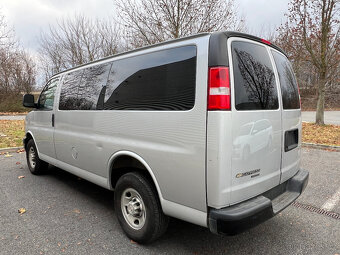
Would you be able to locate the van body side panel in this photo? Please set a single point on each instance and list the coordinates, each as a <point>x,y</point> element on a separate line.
<point>219,149</point>
<point>173,143</point>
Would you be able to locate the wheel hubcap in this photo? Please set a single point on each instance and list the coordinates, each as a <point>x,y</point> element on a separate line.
<point>31,157</point>
<point>133,208</point>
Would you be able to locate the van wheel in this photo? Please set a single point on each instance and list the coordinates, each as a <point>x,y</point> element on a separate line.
<point>35,164</point>
<point>138,208</point>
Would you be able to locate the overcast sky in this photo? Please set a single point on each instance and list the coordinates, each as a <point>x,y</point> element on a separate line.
<point>30,17</point>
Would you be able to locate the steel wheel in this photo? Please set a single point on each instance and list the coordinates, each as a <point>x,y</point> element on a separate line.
<point>32,157</point>
<point>133,208</point>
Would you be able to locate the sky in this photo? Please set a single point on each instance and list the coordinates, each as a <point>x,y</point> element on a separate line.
<point>30,17</point>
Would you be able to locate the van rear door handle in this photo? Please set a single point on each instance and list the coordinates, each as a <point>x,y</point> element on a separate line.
<point>52,119</point>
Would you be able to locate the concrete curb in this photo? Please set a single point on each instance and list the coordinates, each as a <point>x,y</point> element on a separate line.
<point>321,146</point>
<point>11,149</point>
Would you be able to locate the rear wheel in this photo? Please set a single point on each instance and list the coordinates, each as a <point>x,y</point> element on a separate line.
<point>35,164</point>
<point>138,208</point>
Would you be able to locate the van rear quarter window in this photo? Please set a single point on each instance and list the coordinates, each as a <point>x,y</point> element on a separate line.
<point>289,89</point>
<point>162,80</point>
<point>254,79</point>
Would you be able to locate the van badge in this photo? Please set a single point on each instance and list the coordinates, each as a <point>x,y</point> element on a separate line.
<point>239,175</point>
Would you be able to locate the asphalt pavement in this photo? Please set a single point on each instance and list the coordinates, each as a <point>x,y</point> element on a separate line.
<point>12,117</point>
<point>68,215</point>
<point>331,117</point>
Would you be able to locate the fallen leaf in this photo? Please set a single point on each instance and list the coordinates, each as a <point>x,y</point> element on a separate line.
<point>22,210</point>
<point>17,163</point>
<point>8,155</point>
<point>21,150</point>
<point>76,211</point>
<point>133,242</point>
<point>21,176</point>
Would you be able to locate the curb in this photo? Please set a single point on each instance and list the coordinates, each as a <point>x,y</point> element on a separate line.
<point>11,149</point>
<point>321,146</point>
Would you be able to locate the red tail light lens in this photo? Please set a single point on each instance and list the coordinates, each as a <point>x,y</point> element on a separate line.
<point>218,88</point>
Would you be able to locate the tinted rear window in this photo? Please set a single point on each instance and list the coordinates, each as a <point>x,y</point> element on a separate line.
<point>163,80</point>
<point>254,79</point>
<point>289,89</point>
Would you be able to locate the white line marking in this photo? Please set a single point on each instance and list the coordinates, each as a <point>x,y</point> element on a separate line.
<point>331,203</point>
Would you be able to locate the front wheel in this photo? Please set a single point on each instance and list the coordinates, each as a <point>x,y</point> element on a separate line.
<point>138,208</point>
<point>35,164</point>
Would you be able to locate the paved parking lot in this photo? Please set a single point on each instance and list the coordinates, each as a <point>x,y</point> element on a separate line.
<point>331,117</point>
<point>67,215</point>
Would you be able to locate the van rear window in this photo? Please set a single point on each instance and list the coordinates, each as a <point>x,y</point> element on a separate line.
<point>289,89</point>
<point>254,79</point>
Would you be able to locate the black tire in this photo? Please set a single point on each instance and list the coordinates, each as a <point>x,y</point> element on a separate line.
<point>155,223</point>
<point>39,167</point>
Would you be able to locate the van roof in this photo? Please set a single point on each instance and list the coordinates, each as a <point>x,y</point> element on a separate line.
<point>221,37</point>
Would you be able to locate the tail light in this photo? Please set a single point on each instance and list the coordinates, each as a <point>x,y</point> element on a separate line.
<point>218,88</point>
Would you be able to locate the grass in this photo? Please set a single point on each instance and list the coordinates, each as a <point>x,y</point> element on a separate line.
<point>12,132</point>
<point>12,104</point>
<point>326,134</point>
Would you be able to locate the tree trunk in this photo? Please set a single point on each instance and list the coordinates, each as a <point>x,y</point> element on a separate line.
<point>319,120</point>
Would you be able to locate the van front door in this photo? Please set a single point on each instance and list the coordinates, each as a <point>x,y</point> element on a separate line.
<point>43,126</point>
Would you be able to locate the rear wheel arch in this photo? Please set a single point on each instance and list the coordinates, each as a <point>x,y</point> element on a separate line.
<point>123,162</point>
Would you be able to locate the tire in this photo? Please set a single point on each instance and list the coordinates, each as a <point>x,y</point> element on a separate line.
<point>135,194</point>
<point>35,164</point>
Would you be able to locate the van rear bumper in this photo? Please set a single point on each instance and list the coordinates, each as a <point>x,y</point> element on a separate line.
<point>237,218</point>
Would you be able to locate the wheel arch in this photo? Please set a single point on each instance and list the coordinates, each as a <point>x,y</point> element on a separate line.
<point>122,162</point>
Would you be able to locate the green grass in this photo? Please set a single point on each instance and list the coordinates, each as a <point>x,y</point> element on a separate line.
<point>12,104</point>
<point>11,133</point>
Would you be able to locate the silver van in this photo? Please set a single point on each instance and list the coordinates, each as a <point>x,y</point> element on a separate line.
<point>206,129</point>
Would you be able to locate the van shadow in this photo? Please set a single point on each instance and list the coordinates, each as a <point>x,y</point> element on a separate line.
<point>181,236</point>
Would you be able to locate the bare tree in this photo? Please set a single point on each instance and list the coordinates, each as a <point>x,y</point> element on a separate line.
<point>312,34</point>
<point>75,41</point>
<point>17,68</point>
<point>151,21</point>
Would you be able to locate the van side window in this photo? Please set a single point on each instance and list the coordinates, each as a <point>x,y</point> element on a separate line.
<point>254,79</point>
<point>46,99</point>
<point>289,89</point>
<point>81,89</point>
<point>162,80</point>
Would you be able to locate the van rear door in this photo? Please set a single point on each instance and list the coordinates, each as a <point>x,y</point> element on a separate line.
<point>256,120</point>
<point>291,116</point>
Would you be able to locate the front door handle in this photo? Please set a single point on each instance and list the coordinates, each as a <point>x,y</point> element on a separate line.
<point>52,119</point>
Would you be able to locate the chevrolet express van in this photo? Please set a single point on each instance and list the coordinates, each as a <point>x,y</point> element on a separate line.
<point>206,129</point>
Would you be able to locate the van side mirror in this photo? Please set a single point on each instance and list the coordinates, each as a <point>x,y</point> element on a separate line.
<point>28,101</point>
